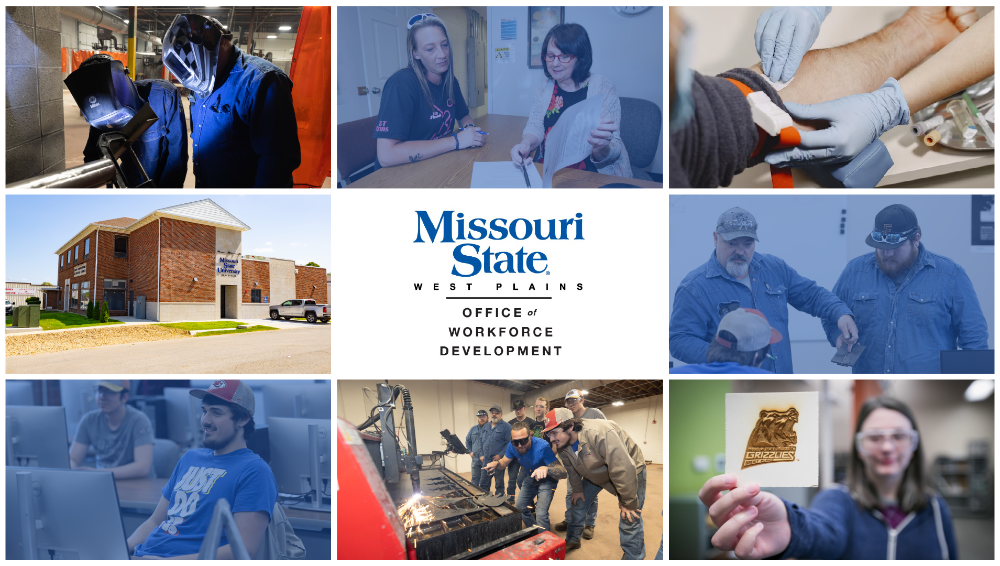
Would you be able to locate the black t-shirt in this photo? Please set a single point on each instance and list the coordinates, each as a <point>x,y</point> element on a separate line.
<point>405,115</point>
<point>560,101</point>
<point>527,420</point>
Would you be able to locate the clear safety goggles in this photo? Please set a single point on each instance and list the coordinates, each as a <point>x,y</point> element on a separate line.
<point>870,441</point>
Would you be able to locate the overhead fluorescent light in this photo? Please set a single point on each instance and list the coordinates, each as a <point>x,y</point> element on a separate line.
<point>583,392</point>
<point>979,390</point>
<point>284,28</point>
<point>272,37</point>
<point>618,403</point>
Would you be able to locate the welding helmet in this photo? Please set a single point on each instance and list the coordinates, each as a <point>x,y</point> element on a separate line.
<point>191,51</point>
<point>555,418</point>
<point>104,92</point>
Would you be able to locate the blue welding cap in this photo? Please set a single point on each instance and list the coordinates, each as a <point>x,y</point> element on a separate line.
<point>104,92</point>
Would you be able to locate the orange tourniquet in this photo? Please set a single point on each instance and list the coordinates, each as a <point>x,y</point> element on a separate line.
<point>310,74</point>
<point>781,177</point>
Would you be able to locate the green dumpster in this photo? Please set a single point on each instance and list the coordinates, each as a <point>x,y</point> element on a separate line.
<point>34,315</point>
<point>21,317</point>
<point>13,316</point>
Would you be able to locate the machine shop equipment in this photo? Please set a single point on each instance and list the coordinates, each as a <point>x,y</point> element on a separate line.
<point>435,515</point>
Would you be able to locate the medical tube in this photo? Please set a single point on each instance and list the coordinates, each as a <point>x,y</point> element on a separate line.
<point>963,121</point>
<point>924,126</point>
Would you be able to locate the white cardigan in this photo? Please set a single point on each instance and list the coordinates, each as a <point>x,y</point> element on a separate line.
<point>616,163</point>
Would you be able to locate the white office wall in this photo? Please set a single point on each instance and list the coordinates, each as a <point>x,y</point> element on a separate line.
<point>456,20</point>
<point>279,47</point>
<point>627,50</point>
<point>804,231</point>
<point>636,418</point>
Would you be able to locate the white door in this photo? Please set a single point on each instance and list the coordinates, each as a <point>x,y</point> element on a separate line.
<point>66,297</point>
<point>383,45</point>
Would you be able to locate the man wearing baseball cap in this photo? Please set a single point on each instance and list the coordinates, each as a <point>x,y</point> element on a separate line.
<point>516,474</point>
<point>736,276</point>
<point>601,452</point>
<point>122,436</point>
<point>910,303</point>
<point>575,403</point>
<point>741,345</point>
<point>225,468</point>
<point>473,441</point>
<point>496,437</point>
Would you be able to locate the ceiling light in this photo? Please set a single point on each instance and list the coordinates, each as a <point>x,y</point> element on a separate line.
<point>618,403</point>
<point>979,390</point>
<point>584,392</point>
<point>272,37</point>
<point>284,28</point>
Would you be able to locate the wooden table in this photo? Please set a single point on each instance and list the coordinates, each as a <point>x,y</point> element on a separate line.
<point>453,170</point>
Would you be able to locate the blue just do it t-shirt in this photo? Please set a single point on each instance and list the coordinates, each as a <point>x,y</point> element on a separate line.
<point>199,480</point>
<point>539,454</point>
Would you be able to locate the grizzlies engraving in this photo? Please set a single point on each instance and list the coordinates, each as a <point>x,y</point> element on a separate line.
<point>773,439</point>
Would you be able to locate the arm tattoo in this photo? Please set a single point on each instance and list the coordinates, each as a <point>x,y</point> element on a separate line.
<point>415,158</point>
<point>557,472</point>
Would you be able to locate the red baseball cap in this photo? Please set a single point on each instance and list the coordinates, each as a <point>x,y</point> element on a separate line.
<point>231,390</point>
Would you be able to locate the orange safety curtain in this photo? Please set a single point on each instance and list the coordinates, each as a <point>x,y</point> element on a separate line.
<point>310,74</point>
<point>65,57</point>
<point>83,54</point>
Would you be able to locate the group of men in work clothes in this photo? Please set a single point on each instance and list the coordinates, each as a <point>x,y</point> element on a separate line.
<point>595,454</point>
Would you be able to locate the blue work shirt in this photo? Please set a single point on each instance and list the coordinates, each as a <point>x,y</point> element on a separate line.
<point>905,328</point>
<point>540,454</point>
<point>702,294</point>
<point>717,367</point>
<point>244,133</point>
<point>495,440</point>
<point>472,439</point>
<point>162,150</point>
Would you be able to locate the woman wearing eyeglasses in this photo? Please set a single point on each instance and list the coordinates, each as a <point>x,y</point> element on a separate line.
<point>886,511</point>
<point>568,57</point>
<point>422,102</point>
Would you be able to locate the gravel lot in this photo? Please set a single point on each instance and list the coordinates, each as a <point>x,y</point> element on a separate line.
<point>82,339</point>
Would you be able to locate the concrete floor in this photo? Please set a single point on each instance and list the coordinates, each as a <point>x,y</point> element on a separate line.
<point>78,130</point>
<point>606,544</point>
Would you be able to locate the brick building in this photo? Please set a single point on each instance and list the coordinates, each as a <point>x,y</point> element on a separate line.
<point>182,262</point>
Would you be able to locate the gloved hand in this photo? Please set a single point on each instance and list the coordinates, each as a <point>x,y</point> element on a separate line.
<point>783,36</point>
<point>855,122</point>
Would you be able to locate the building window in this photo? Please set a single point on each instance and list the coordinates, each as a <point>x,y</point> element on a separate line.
<point>74,299</point>
<point>60,260</point>
<point>121,247</point>
<point>115,299</point>
<point>86,248</point>
<point>76,253</point>
<point>114,284</point>
<point>85,293</point>
<point>255,295</point>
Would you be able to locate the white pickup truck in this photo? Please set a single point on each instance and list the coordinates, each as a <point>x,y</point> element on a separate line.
<point>300,308</point>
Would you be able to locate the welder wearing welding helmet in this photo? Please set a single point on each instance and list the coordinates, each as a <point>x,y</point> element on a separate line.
<point>108,99</point>
<point>243,127</point>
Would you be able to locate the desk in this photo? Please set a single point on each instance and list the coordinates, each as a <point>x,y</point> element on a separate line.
<point>453,170</point>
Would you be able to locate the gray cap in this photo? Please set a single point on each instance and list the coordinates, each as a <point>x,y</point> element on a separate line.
<point>497,407</point>
<point>735,223</point>
<point>751,329</point>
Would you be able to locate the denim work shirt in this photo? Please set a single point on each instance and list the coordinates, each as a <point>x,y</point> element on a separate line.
<point>162,149</point>
<point>494,440</point>
<point>905,328</point>
<point>701,296</point>
<point>244,133</point>
<point>472,439</point>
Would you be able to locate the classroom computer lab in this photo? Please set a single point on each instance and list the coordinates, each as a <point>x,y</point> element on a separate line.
<point>168,469</point>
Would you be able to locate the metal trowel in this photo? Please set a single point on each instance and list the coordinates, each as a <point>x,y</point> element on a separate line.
<point>845,358</point>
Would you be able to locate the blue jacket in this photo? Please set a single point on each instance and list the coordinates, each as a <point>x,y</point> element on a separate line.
<point>162,150</point>
<point>700,296</point>
<point>495,440</point>
<point>244,133</point>
<point>836,528</point>
<point>717,367</point>
<point>472,439</point>
<point>904,329</point>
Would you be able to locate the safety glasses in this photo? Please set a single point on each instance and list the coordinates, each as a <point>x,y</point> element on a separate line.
<point>417,18</point>
<point>892,238</point>
<point>872,440</point>
<point>520,441</point>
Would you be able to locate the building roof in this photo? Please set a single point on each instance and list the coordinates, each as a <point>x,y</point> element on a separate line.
<point>204,211</point>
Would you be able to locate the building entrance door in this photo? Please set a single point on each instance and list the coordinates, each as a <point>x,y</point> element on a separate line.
<point>222,302</point>
<point>140,307</point>
<point>131,303</point>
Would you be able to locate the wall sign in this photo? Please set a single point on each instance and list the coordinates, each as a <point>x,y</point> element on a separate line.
<point>258,257</point>
<point>229,267</point>
<point>20,291</point>
<point>80,270</point>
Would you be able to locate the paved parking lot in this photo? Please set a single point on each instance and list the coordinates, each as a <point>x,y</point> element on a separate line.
<point>294,351</point>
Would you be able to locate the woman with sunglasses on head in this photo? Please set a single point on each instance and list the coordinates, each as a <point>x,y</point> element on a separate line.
<point>886,511</point>
<point>567,58</point>
<point>422,103</point>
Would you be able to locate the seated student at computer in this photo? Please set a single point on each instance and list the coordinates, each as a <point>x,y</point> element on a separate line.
<point>122,436</point>
<point>225,468</point>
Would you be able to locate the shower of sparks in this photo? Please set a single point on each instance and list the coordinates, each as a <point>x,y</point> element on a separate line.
<point>412,513</point>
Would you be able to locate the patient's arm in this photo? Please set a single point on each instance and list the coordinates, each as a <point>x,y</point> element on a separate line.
<point>862,66</point>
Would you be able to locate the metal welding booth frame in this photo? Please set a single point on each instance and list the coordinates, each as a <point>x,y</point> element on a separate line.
<point>435,515</point>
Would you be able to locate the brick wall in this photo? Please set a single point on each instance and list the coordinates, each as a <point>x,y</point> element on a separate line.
<point>142,262</point>
<point>66,272</point>
<point>52,300</point>
<point>304,281</point>
<point>260,272</point>
<point>111,267</point>
<point>187,252</point>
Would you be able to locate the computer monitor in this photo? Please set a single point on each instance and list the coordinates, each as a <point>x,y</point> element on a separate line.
<point>967,361</point>
<point>183,416</point>
<point>78,397</point>
<point>292,463</point>
<point>20,393</point>
<point>76,509</point>
<point>36,437</point>
<point>309,400</point>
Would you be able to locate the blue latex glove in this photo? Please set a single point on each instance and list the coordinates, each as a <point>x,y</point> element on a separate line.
<point>855,122</point>
<point>783,36</point>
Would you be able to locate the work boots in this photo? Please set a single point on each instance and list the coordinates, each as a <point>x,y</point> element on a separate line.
<point>560,526</point>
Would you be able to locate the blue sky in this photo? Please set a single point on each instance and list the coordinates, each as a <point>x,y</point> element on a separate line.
<point>293,227</point>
